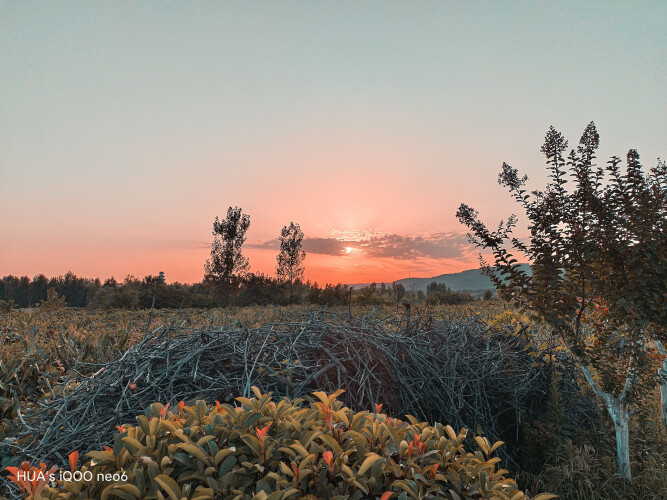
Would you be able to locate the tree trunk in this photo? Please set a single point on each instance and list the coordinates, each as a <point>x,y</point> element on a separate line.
<point>619,411</point>
<point>620,415</point>
<point>662,378</point>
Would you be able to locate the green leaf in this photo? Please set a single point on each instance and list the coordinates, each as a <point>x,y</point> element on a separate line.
<point>170,486</point>
<point>227,465</point>
<point>251,420</point>
<point>371,458</point>
<point>253,443</point>
<point>193,450</point>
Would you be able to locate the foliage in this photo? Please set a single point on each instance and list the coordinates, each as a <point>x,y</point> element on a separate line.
<point>399,291</point>
<point>581,472</point>
<point>263,449</point>
<point>604,242</point>
<point>31,480</point>
<point>474,377</point>
<point>53,301</point>
<point>290,259</point>
<point>7,306</point>
<point>151,292</point>
<point>440,293</point>
<point>489,362</point>
<point>227,265</point>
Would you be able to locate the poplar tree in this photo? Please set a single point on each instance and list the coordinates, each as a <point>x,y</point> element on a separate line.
<point>227,265</point>
<point>290,259</point>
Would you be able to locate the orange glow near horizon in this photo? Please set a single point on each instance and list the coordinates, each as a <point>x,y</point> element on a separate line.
<point>187,265</point>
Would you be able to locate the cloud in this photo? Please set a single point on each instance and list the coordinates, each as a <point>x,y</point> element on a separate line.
<point>434,246</point>
<point>443,245</point>
<point>324,246</point>
<point>273,244</point>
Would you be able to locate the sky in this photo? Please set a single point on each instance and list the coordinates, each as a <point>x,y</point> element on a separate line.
<point>127,127</point>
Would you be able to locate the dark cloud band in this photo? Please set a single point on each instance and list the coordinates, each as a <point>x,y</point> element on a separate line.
<point>444,245</point>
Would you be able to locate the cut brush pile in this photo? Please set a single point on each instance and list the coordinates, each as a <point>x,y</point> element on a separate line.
<point>459,373</point>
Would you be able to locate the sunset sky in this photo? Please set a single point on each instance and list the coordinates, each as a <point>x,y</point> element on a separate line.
<point>126,127</point>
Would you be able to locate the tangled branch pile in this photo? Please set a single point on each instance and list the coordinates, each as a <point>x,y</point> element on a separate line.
<point>460,374</point>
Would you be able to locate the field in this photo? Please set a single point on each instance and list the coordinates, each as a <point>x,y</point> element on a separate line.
<point>69,376</point>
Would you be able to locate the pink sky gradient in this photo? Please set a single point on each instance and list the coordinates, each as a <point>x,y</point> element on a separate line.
<point>127,127</point>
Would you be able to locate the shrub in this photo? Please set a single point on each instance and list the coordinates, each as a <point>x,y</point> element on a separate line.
<point>7,306</point>
<point>53,301</point>
<point>269,450</point>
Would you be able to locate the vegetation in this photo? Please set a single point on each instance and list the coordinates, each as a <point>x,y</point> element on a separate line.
<point>539,429</point>
<point>439,293</point>
<point>254,289</point>
<point>290,259</point>
<point>261,449</point>
<point>598,255</point>
<point>227,265</point>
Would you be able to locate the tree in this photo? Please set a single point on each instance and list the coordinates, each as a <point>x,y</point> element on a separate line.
<point>290,259</point>
<point>227,265</point>
<point>598,261</point>
<point>398,291</point>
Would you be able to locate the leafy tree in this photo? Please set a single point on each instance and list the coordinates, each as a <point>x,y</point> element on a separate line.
<point>398,291</point>
<point>598,260</point>
<point>290,259</point>
<point>38,288</point>
<point>227,265</point>
<point>440,293</point>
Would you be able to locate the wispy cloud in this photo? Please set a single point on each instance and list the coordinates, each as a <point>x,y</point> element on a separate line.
<point>442,245</point>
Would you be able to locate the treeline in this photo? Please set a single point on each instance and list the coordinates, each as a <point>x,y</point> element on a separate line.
<point>254,289</point>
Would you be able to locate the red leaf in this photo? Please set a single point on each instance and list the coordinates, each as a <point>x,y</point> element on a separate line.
<point>328,458</point>
<point>261,433</point>
<point>295,469</point>
<point>73,459</point>
<point>163,411</point>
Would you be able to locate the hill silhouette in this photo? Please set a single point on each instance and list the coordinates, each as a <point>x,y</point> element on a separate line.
<point>471,280</point>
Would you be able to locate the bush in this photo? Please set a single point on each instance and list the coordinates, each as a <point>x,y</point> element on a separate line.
<point>7,306</point>
<point>270,450</point>
<point>53,301</point>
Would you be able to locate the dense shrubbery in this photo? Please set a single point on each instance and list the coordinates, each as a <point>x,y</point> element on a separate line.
<point>440,293</point>
<point>275,451</point>
<point>254,289</point>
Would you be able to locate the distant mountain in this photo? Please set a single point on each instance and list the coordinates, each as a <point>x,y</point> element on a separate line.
<point>466,281</point>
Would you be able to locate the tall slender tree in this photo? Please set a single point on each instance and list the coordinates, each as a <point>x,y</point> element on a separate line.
<point>598,255</point>
<point>227,265</point>
<point>290,259</point>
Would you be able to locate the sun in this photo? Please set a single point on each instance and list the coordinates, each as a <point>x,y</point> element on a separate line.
<point>348,249</point>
